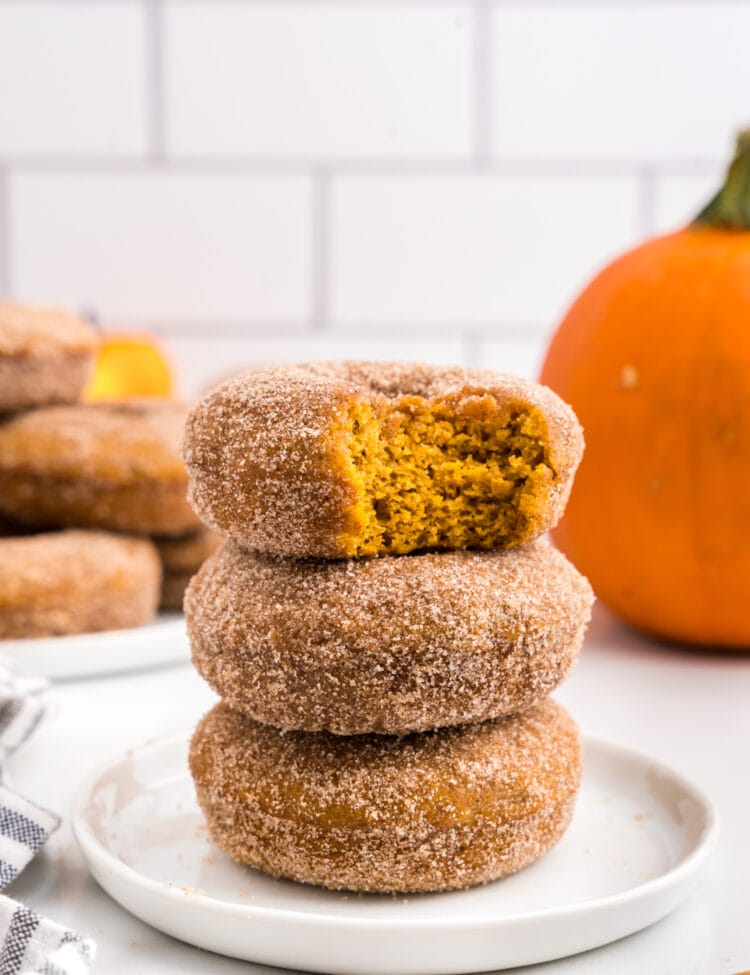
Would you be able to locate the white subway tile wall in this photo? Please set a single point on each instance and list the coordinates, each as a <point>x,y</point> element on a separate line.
<point>201,360</point>
<point>72,79</point>
<point>638,80</point>
<point>315,80</point>
<point>165,246</point>
<point>275,180</point>
<point>679,198</point>
<point>457,250</point>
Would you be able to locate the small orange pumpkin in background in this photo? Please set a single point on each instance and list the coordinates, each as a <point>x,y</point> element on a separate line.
<point>129,365</point>
<point>654,357</point>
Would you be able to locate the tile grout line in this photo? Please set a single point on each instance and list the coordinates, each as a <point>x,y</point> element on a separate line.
<point>481,82</point>
<point>507,331</point>
<point>5,234</point>
<point>583,168</point>
<point>153,11</point>
<point>320,244</point>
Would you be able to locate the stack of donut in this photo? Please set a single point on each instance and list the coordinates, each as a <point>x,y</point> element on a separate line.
<point>82,487</point>
<point>384,624</point>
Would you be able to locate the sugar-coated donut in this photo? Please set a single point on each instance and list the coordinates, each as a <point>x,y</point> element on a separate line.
<point>103,465</point>
<point>433,811</point>
<point>387,645</point>
<point>45,356</point>
<point>76,582</point>
<point>180,559</point>
<point>347,459</point>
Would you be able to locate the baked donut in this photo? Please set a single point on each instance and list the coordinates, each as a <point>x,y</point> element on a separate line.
<point>387,645</point>
<point>346,459</point>
<point>101,465</point>
<point>45,356</point>
<point>76,582</point>
<point>180,560</point>
<point>433,811</point>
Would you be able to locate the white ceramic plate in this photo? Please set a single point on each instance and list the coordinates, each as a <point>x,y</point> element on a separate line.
<point>160,642</point>
<point>640,835</point>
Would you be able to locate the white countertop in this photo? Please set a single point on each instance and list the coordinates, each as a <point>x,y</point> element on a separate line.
<point>687,708</point>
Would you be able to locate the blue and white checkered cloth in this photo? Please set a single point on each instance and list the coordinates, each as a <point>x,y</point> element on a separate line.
<point>29,944</point>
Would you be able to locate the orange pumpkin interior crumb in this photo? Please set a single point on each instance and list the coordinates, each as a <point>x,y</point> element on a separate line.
<point>430,474</point>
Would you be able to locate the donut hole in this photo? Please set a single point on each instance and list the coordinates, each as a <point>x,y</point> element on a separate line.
<point>441,474</point>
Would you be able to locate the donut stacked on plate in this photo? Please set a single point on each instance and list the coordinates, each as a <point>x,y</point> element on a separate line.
<point>78,482</point>
<point>383,623</point>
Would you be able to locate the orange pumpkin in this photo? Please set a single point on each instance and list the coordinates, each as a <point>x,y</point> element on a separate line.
<point>654,357</point>
<point>129,365</point>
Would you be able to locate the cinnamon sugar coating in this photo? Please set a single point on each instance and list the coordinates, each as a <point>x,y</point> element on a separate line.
<point>180,559</point>
<point>435,811</point>
<point>103,465</point>
<point>76,582</point>
<point>345,459</point>
<point>387,645</point>
<point>45,356</point>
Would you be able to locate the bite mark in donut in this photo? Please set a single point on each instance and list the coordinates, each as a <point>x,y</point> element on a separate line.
<point>448,473</point>
<point>348,459</point>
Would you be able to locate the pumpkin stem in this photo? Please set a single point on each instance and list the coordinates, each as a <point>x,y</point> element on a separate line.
<point>730,208</point>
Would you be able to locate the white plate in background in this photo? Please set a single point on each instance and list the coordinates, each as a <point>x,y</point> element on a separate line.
<point>639,838</point>
<point>162,641</point>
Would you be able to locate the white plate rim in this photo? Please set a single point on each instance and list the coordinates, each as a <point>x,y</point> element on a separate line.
<point>94,850</point>
<point>166,625</point>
